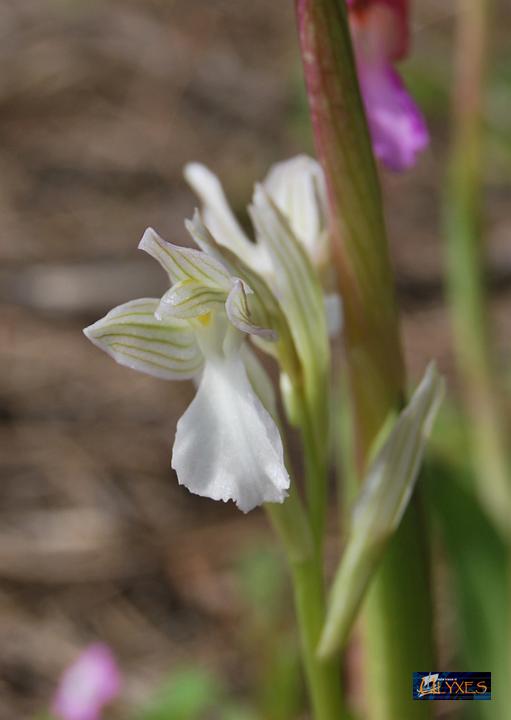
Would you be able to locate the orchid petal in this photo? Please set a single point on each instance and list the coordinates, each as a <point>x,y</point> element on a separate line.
<point>217,211</point>
<point>220,219</point>
<point>298,288</point>
<point>190,299</point>
<point>227,446</point>
<point>134,337</point>
<point>398,129</point>
<point>380,28</point>
<point>239,312</point>
<point>298,189</point>
<point>182,263</point>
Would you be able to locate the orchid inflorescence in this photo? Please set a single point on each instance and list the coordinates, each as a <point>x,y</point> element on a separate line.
<point>235,292</point>
<point>227,444</point>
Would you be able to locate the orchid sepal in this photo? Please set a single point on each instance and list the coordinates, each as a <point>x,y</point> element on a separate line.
<point>183,263</point>
<point>134,337</point>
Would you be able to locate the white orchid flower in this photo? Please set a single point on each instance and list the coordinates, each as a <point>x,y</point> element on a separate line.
<point>227,446</point>
<point>288,212</point>
<point>296,187</point>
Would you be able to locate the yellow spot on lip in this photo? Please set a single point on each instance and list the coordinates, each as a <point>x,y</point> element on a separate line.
<point>205,319</point>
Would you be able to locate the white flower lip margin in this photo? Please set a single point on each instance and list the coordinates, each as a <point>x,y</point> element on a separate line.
<point>239,455</point>
<point>227,446</point>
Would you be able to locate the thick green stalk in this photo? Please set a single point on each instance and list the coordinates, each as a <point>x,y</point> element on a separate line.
<point>359,241</point>
<point>323,677</point>
<point>372,343</point>
<point>465,260</point>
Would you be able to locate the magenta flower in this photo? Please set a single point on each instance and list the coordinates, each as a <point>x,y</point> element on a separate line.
<point>380,38</point>
<point>91,682</point>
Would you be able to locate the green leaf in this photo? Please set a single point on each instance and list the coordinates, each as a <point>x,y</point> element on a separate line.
<point>479,573</point>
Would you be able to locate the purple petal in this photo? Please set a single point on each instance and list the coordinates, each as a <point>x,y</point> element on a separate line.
<point>87,685</point>
<point>397,126</point>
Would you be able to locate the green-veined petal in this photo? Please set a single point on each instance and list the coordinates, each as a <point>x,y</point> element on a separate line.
<point>239,313</point>
<point>190,299</point>
<point>265,311</point>
<point>220,219</point>
<point>297,287</point>
<point>297,187</point>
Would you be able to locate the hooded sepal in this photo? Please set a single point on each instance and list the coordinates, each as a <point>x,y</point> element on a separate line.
<point>297,187</point>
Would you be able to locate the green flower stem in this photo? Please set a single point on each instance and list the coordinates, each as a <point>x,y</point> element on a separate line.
<point>292,524</point>
<point>465,260</point>
<point>372,341</point>
<point>323,677</point>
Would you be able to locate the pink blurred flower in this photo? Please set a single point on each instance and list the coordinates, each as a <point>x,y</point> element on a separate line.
<point>87,685</point>
<point>380,31</point>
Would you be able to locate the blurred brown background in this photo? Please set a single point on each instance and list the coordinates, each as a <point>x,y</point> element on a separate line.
<point>101,105</point>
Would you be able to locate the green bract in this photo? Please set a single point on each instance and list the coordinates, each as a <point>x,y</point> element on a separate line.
<point>380,507</point>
